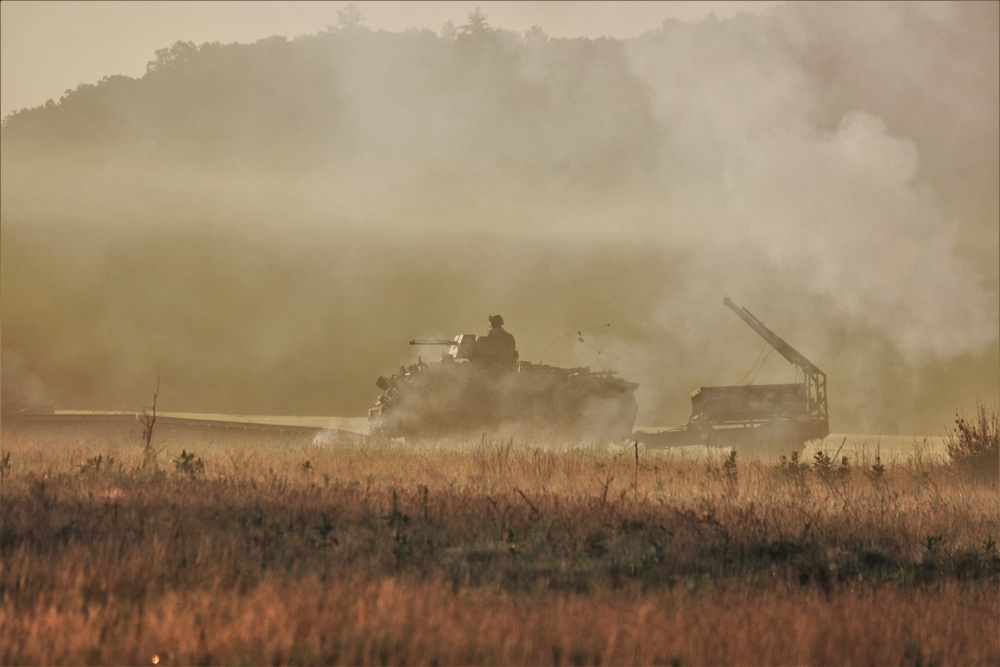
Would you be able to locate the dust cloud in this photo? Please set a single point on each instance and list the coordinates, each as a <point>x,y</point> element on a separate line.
<point>264,226</point>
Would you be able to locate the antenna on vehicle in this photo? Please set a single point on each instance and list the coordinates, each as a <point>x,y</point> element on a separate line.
<point>578,333</point>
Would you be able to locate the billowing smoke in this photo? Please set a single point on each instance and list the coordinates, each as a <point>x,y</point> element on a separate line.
<point>21,390</point>
<point>831,195</point>
<point>266,225</point>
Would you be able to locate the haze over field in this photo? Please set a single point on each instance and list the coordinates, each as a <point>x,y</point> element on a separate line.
<point>266,225</point>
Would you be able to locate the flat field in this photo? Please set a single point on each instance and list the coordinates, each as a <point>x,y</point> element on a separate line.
<point>497,552</point>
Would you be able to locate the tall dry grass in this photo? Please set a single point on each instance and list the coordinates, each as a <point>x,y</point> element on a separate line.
<point>312,620</point>
<point>974,444</point>
<point>499,552</point>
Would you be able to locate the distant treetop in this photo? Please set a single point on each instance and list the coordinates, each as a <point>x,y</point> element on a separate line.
<point>477,24</point>
<point>349,19</point>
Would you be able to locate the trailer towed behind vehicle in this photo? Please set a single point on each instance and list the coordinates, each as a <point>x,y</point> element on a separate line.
<point>757,420</point>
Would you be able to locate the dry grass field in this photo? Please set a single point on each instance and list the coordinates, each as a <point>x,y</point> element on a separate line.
<point>493,553</point>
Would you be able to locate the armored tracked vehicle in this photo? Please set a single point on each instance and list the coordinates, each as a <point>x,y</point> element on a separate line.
<point>476,389</point>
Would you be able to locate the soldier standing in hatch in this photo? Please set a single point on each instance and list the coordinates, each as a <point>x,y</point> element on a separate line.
<point>497,347</point>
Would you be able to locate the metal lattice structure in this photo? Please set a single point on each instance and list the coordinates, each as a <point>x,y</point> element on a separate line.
<point>813,378</point>
<point>759,419</point>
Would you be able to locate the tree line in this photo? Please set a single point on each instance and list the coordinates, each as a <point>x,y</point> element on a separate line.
<point>474,92</point>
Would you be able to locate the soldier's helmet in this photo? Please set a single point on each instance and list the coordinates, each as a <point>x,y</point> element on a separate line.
<point>496,321</point>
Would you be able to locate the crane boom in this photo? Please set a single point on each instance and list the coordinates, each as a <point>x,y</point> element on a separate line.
<point>773,339</point>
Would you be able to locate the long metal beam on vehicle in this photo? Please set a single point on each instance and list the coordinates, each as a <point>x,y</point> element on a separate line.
<point>773,339</point>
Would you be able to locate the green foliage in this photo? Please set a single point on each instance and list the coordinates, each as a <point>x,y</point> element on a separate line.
<point>188,464</point>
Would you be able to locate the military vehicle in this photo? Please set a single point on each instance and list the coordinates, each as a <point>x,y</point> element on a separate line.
<point>472,391</point>
<point>757,420</point>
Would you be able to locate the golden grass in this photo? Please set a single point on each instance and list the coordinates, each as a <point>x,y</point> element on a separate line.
<point>390,621</point>
<point>495,553</point>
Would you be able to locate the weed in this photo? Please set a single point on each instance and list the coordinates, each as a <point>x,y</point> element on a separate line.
<point>4,465</point>
<point>791,464</point>
<point>322,535</point>
<point>793,469</point>
<point>729,471</point>
<point>148,421</point>
<point>95,463</point>
<point>918,463</point>
<point>189,464</point>
<point>396,517</point>
<point>494,457</point>
<point>725,470</point>
<point>635,481</point>
<point>877,472</point>
<point>824,467</point>
<point>822,464</point>
<point>974,444</point>
<point>534,510</point>
<point>605,484</point>
<point>844,469</point>
<point>538,462</point>
<point>932,542</point>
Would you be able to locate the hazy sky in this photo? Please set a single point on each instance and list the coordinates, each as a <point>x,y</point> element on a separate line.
<point>49,47</point>
<point>830,165</point>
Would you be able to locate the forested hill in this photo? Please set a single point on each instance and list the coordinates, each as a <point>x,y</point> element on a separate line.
<point>520,126</point>
<point>408,110</point>
<point>339,95</point>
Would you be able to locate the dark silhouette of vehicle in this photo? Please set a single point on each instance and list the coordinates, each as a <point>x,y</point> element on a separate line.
<point>475,391</point>
<point>762,420</point>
